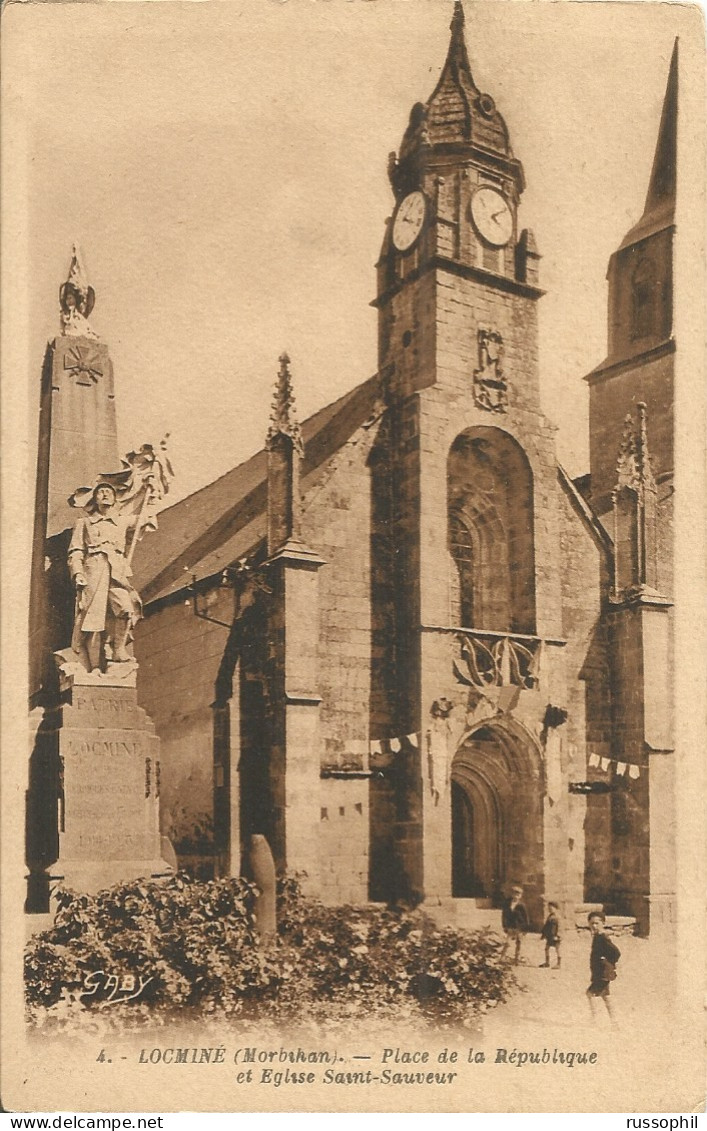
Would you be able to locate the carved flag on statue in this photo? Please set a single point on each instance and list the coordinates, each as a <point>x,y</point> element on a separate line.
<point>148,474</point>
<point>140,485</point>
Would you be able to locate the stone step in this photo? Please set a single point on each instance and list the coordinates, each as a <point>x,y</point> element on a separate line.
<point>615,924</point>
<point>469,914</point>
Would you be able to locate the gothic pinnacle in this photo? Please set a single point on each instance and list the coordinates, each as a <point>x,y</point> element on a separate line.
<point>283,420</point>
<point>645,469</point>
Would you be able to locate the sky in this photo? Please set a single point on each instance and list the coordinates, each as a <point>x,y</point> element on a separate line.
<point>222,166</point>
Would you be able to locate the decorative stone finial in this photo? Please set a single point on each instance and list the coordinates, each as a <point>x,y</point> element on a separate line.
<point>633,467</point>
<point>635,514</point>
<point>283,421</point>
<point>645,468</point>
<point>76,299</point>
<point>627,463</point>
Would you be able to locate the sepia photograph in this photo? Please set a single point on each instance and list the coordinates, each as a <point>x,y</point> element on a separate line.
<point>353,556</point>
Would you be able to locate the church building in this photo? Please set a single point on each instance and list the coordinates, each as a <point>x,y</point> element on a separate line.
<point>402,643</point>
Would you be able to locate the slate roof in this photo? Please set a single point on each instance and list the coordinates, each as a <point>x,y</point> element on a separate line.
<point>457,113</point>
<point>215,526</point>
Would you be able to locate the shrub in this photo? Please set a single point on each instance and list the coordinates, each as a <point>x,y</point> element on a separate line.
<point>198,944</point>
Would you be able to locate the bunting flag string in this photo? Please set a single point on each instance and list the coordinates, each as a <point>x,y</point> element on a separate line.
<point>383,746</point>
<point>599,761</point>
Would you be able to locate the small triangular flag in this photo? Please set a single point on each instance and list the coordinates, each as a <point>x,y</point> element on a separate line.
<point>412,739</point>
<point>395,745</point>
<point>375,748</point>
<point>621,768</point>
<point>634,772</point>
<point>605,763</point>
<point>593,759</point>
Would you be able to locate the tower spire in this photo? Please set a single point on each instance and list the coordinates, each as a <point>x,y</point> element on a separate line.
<point>661,189</point>
<point>457,114</point>
<point>457,55</point>
<point>659,209</point>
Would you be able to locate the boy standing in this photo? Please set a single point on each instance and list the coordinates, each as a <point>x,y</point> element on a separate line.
<point>514,921</point>
<point>602,964</point>
<point>552,934</point>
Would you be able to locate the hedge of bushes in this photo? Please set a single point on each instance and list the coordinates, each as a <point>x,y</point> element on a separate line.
<point>197,943</point>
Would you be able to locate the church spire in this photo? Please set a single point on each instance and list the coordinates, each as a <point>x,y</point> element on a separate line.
<point>661,189</point>
<point>659,209</point>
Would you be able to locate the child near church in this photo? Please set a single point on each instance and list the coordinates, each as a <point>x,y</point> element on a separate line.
<point>514,921</point>
<point>552,933</point>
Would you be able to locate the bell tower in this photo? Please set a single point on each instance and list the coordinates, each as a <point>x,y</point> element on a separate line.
<point>639,366</point>
<point>457,187</point>
<point>471,480</point>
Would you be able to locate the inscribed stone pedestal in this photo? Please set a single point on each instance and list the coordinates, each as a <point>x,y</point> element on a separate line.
<point>108,789</point>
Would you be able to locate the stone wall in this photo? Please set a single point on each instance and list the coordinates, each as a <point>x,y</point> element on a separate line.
<point>585,572</point>
<point>180,657</point>
<point>343,835</point>
<point>336,523</point>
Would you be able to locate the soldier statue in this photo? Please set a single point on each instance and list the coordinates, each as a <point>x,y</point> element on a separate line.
<point>116,510</point>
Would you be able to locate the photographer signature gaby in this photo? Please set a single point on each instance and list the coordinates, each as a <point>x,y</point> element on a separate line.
<point>115,987</point>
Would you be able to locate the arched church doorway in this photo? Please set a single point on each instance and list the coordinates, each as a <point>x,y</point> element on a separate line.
<point>476,841</point>
<point>497,821</point>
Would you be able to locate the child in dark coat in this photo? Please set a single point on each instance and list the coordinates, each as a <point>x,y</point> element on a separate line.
<point>514,921</point>
<point>551,932</point>
<point>602,964</point>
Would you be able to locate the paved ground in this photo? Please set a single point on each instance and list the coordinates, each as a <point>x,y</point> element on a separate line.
<point>639,1067</point>
<point>557,997</point>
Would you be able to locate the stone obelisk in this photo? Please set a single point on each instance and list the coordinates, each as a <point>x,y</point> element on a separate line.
<point>94,775</point>
<point>77,439</point>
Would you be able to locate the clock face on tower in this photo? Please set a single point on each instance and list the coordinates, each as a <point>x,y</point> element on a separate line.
<point>409,218</point>
<point>492,216</point>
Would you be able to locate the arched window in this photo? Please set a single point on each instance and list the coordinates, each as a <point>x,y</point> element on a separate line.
<point>490,533</point>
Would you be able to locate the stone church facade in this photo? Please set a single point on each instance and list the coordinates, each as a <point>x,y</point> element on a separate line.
<point>403,644</point>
